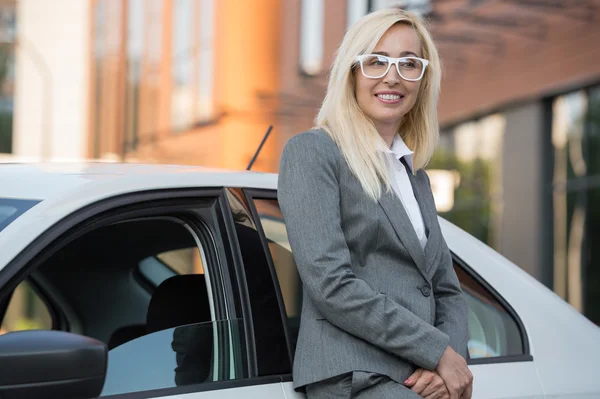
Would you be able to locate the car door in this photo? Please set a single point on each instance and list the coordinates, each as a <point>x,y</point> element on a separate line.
<point>155,277</point>
<point>499,352</point>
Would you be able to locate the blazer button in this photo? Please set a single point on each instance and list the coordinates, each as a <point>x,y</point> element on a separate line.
<point>425,290</point>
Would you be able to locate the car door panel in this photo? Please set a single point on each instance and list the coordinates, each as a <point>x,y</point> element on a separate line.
<point>516,380</point>
<point>263,391</point>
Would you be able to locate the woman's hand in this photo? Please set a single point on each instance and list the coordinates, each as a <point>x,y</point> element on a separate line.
<point>456,375</point>
<point>427,384</point>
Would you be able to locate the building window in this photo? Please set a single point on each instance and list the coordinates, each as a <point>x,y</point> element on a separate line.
<point>204,106</point>
<point>576,142</point>
<point>466,177</point>
<point>134,57</point>
<point>7,75</point>
<point>182,95</point>
<point>150,89</point>
<point>311,36</point>
<point>420,7</point>
<point>192,63</point>
<point>356,10</point>
<point>106,88</point>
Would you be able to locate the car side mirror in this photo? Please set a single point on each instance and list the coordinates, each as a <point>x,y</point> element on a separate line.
<point>51,364</point>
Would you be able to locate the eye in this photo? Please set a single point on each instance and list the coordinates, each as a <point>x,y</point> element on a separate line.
<point>408,64</point>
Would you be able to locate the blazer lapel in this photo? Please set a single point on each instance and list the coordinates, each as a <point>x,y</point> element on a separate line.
<point>401,223</point>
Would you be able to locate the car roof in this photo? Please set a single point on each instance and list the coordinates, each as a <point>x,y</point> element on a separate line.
<point>43,181</point>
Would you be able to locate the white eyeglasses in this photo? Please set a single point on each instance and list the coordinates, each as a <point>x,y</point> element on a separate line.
<point>375,66</point>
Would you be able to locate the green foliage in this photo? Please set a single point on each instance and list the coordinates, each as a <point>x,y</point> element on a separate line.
<point>4,63</point>
<point>472,203</point>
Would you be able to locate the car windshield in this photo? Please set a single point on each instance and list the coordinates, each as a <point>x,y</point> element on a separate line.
<point>11,209</point>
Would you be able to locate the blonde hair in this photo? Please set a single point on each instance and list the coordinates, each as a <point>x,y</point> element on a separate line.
<point>354,133</point>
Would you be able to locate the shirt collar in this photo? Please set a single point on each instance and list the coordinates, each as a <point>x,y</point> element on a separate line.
<point>400,150</point>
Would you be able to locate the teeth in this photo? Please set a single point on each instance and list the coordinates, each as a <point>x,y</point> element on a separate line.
<point>389,96</point>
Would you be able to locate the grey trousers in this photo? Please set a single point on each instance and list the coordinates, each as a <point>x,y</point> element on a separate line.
<point>359,385</point>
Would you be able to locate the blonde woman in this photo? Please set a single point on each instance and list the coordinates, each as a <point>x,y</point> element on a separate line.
<point>383,314</point>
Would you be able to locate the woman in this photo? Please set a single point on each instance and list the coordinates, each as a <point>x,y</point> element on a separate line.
<point>383,315</point>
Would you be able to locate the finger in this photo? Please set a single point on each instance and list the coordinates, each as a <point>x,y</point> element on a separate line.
<point>413,378</point>
<point>468,392</point>
<point>422,383</point>
<point>436,386</point>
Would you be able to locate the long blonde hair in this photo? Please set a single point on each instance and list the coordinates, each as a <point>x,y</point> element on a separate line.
<point>354,133</point>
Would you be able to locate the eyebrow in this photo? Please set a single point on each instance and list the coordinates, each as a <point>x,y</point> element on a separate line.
<point>402,54</point>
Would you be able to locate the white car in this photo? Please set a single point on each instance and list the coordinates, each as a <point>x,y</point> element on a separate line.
<point>178,282</point>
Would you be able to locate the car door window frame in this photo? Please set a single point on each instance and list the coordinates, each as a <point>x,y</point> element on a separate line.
<point>144,204</point>
<point>250,195</point>
<point>58,321</point>
<point>523,357</point>
<point>249,207</point>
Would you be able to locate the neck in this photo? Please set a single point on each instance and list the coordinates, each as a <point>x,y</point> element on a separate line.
<point>388,134</point>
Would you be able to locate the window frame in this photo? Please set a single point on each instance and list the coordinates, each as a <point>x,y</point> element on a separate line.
<point>242,277</point>
<point>147,204</point>
<point>526,355</point>
<point>58,319</point>
<point>21,204</point>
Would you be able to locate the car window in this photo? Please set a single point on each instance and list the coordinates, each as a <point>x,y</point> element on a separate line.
<point>159,267</point>
<point>144,288</point>
<point>26,311</point>
<point>11,209</point>
<point>287,274</point>
<point>180,356</point>
<point>493,332</point>
<point>273,356</point>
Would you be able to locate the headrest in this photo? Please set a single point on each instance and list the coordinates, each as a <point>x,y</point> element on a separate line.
<point>177,301</point>
<point>125,334</point>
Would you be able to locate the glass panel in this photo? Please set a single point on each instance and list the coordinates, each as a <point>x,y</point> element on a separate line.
<point>184,355</point>
<point>135,48</point>
<point>591,257</point>
<point>576,180</point>
<point>149,91</point>
<point>205,60</point>
<point>356,10</point>
<point>466,177</point>
<point>492,331</point>
<point>183,261</point>
<point>271,344</point>
<point>11,209</point>
<point>311,36</point>
<point>283,260</point>
<point>7,74</point>
<point>182,95</point>
<point>26,311</point>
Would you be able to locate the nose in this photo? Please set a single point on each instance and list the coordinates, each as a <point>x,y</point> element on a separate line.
<point>392,77</point>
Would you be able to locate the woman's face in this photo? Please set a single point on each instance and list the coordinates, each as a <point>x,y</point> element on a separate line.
<point>387,99</point>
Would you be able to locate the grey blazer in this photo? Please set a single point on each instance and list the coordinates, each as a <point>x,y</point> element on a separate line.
<point>373,299</point>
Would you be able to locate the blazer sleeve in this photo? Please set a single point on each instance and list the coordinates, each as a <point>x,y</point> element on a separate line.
<point>451,306</point>
<point>451,313</point>
<point>309,197</point>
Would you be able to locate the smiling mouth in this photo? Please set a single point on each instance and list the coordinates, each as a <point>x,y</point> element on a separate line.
<point>389,98</point>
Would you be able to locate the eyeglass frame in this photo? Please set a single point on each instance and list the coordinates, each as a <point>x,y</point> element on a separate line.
<point>391,61</point>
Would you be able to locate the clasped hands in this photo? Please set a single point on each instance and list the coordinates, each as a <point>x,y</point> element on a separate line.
<point>451,379</point>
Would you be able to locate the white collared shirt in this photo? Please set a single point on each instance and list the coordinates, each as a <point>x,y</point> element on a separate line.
<point>402,187</point>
